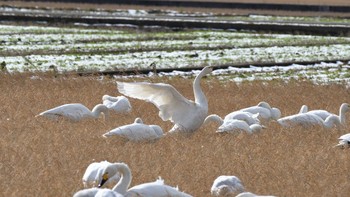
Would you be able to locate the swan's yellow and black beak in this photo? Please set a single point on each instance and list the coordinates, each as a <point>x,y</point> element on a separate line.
<point>104,179</point>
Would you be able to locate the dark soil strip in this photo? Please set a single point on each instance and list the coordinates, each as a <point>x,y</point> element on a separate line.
<point>226,5</point>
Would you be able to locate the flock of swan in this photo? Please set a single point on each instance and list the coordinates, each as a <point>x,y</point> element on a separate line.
<point>187,117</point>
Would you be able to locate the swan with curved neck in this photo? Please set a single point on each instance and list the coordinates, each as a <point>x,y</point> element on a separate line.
<point>265,111</point>
<point>226,186</point>
<point>75,112</point>
<point>308,120</point>
<point>246,116</point>
<point>137,131</point>
<point>345,107</point>
<point>186,115</point>
<point>232,125</point>
<point>119,104</point>
<point>152,189</point>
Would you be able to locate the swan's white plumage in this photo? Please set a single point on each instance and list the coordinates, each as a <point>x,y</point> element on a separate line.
<point>249,194</point>
<point>344,107</point>
<point>242,115</point>
<point>307,120</point>
<point>344,141</point>
<point>265,111</point>
<point>75,112</point>
<point>232,125</point>
<point>187,115</point>
<point>119,104</point>
<point>137,131</point>
<point>154,189</point>
<point>93,174</point>
<point>226,185</point>
<point>97,192</point>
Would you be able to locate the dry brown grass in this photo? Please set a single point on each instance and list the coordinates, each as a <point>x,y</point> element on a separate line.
<point>44,158</point>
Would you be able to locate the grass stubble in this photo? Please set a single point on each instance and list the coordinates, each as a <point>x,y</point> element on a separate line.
<point>45,158</point>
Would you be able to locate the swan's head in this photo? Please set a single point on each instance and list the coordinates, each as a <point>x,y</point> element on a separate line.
<point>138,120</point>
<point>214,118</point>
<point>110,170</point>
<point>105,97</point>
<point>264,105</point>
<point>303,109</point>
<point>275,113</point>
<point>343,144</point>
<point>101,108</point>
<point>345,107</point>
<point>207,69</point>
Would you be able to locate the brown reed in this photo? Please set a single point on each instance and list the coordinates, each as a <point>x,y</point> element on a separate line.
<point>45,158</point>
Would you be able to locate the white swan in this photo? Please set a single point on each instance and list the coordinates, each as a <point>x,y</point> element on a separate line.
<point>75,112</point>
<point>119,104</point>
<point>232,125</point>
<point>265,111</point>
<point>249,194</point>
<point>308,120</point>
<point>226,186</point>
<point>345,107</point>
<point>137,131</point>
<point>242,115</point>
<point>187,115</point>
<point>152,189</point>
<point>97,192</point>
<point>344,141</point>
<point>93,174</point>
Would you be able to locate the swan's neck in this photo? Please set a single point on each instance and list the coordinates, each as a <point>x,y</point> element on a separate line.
<point>331,120</point>
<point>198,93</point>
<point>125,180</point>
<point>98,109</point>
<point>342,112</point>
<point>214,118</point>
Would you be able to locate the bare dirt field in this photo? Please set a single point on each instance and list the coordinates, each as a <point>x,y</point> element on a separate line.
<point>45,158</point>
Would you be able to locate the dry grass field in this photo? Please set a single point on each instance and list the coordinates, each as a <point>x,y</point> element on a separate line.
<point>45,158</point>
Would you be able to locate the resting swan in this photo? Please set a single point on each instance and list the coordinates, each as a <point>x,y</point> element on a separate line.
<point>248,194</point>
<point>345,107</point>
<point>152,189</point>
<point>246,116</point>
<point>186,115</point>
<point>137,131</point>
<point>93,174</point>
<point>232,125</point>
<point>308,120</point>
<point>265,111</point>
<point>97,192</point>
<point>226,186</point>
<point>119,104</point>
<point>344,141</point>
<point>75,112</point>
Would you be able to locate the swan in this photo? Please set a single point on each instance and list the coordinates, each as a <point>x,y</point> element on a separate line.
<point>345,107</point>
<point>75,112</point>
<point>249,194</point>
<point>97,192</point>
<point>226,186</point>
<point>186,115</point>
<point>246,116</point>
<point>137,131</point>
<point>308,120</point>
<point>232,125</point>
<point>344,141</point>
<point>152,189</point>
<point>93,174</point>
<point>265,111</point>
<point>119,104</point>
